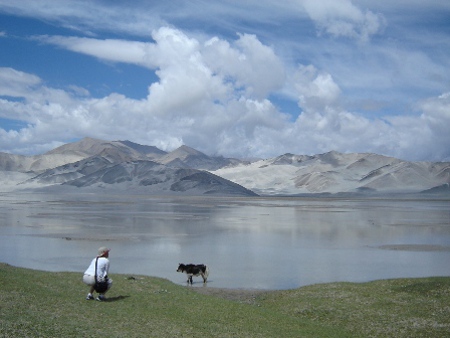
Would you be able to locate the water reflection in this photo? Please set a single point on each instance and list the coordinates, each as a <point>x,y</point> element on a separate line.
<point>268,243</point>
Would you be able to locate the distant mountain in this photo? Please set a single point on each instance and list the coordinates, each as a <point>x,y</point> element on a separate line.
<point>72,171</point>
<point>186,157</point>
<point>91,163</point>
<point>335,172</point>
<point>150,152</point>
<point>160,178</point>
<point>119,151</point>
<point>123,165</point>
<point>444,188</point>
<point>19,163</point>
<point>124,150</point>
<point>142,176</point>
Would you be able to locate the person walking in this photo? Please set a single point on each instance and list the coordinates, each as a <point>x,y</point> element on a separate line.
<point>99,268</point>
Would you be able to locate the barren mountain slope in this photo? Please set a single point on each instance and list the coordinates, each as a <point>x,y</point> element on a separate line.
<point>107,164</point>
<point>335,172</point>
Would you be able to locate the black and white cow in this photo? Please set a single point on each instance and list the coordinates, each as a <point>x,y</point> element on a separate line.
<point>194,270</point>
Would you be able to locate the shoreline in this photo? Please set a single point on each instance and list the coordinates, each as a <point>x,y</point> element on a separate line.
<point>234,293</point>
<point>240,295</point>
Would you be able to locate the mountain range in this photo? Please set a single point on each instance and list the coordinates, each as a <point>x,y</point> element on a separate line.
<point>92,164</point>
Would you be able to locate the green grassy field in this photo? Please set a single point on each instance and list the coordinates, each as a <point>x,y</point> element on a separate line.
<point>48,304</point>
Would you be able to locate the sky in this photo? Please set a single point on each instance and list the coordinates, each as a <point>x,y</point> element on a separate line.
<point>245,79</point>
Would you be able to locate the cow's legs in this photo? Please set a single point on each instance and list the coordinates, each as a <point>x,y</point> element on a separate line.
<point>190,279</point>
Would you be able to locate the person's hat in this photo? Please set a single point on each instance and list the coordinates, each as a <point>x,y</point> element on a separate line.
<point>103,250</point>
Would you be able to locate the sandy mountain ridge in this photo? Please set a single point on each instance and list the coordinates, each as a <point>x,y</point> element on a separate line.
<point>92,164</point>
<point>335,172</point>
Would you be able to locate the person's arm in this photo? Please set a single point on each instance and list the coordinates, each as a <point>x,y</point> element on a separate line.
<point>107,267</point>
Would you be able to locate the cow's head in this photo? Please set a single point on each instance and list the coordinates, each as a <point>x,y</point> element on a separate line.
<point>181,267</point>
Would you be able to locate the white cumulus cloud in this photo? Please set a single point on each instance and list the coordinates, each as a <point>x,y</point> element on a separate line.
<point>344,18</point>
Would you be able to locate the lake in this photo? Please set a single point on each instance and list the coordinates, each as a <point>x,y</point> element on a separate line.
<point>251,243</point>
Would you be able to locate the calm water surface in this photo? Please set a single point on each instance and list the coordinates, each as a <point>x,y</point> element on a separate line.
<point>262,243</point>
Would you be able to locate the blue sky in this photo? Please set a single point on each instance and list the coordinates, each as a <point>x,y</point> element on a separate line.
<point>232,78</point>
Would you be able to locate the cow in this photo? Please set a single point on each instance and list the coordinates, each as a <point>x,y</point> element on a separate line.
<point>194,270</point>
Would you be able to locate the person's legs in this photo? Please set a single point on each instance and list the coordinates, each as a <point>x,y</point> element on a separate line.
<point>90,281</point>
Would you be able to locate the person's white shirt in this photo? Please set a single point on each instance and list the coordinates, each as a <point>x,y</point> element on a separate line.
<point>102,268</point>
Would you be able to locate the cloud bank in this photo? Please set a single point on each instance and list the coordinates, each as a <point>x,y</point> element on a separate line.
<point>219,95</point>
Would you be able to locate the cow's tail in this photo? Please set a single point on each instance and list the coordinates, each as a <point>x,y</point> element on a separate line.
<point>206,271</point>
